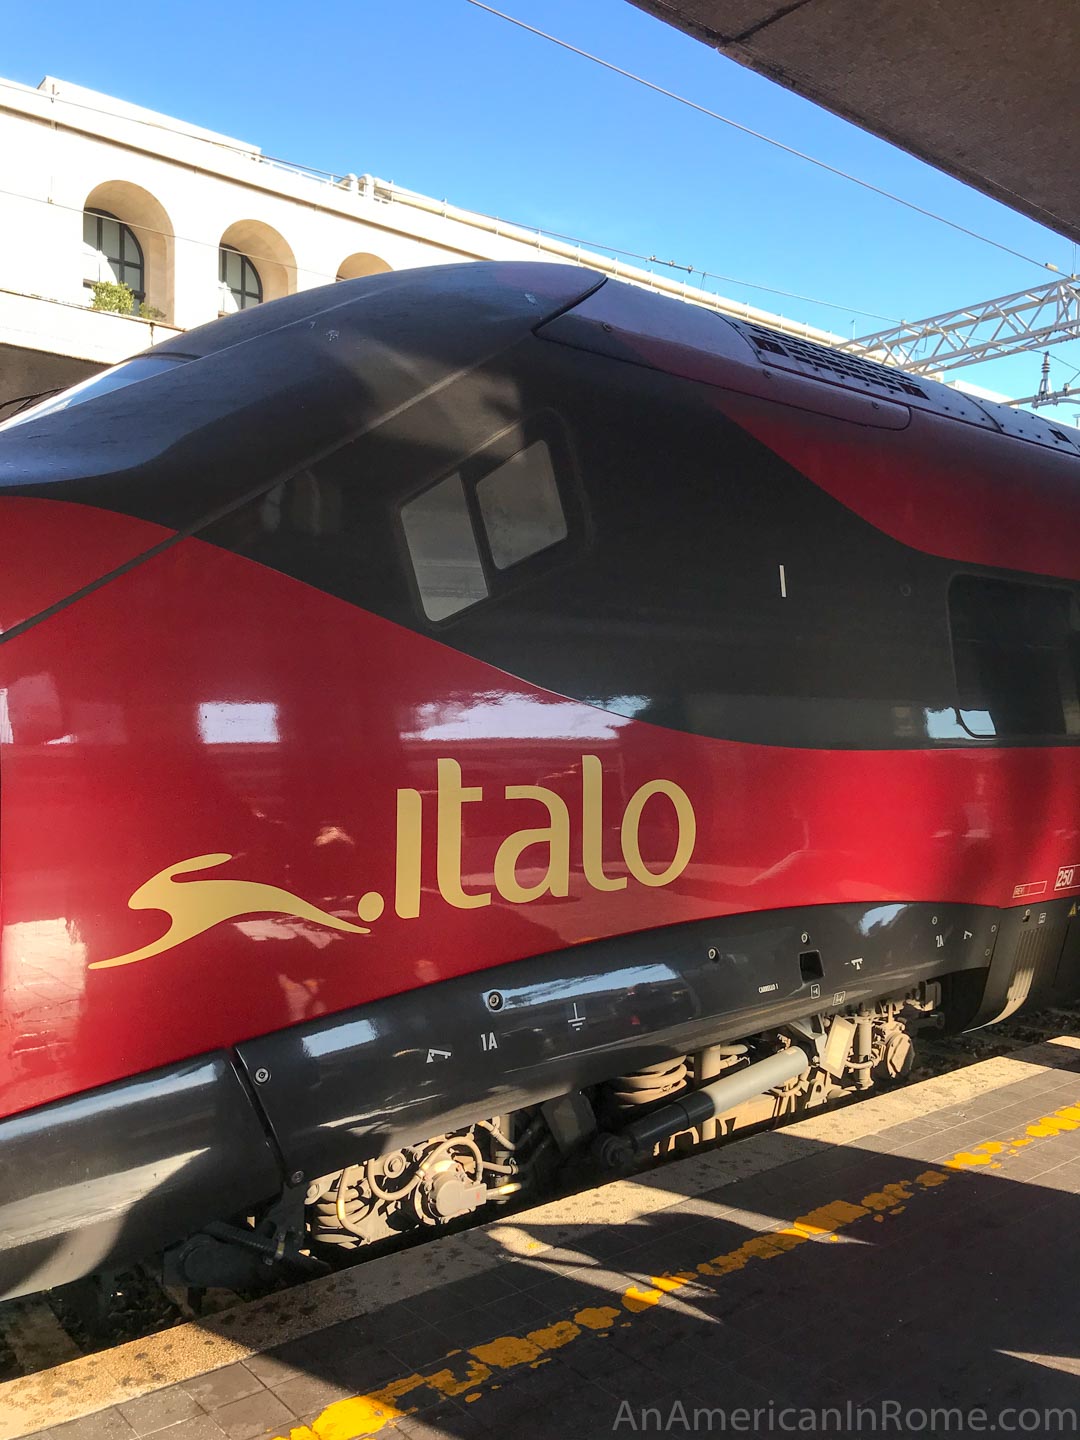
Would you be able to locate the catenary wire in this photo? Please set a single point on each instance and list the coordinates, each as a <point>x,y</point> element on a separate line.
<point>758,135</point>
<point>696,270</point>
<point>223,143</point>
<point>602,250</point>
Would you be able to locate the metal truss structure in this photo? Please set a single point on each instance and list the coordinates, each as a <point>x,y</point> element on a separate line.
<point>1029,320</point>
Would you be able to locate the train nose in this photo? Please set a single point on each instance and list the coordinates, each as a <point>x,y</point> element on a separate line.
<point>183,431</point>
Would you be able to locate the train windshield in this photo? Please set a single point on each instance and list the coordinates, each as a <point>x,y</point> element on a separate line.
<point>128,372</point>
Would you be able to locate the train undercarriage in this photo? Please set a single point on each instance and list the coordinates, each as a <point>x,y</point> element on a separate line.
<point>613,1128</point>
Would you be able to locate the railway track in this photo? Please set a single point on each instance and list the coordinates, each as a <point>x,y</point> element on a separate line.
<point>41,1331</point>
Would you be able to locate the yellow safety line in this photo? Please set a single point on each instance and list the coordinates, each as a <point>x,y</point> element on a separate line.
<point>476,1371</point>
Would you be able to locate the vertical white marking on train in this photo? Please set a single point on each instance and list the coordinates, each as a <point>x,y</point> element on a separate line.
<point>783,583</point>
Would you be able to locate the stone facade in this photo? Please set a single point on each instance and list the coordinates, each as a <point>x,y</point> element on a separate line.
<point>198,224</point>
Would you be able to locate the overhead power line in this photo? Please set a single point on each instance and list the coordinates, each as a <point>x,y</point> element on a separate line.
<point>758,135</point>
<point>208,137</point>
<point>1074,371</point>
<point>692,270</point>
<point>397,193</point>
<point>528,232</point>
<point>1046,394</point>
<point>333,179</point>
<point>1027,320</point>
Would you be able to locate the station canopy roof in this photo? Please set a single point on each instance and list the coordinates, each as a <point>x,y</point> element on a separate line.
<point>986,90</point>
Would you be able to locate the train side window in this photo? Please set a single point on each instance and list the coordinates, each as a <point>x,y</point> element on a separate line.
<point>1016,650</point>
<point>520,505</point>
<point>443,549</point>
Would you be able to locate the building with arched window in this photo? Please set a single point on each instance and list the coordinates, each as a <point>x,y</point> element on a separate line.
<point>241,284</point>
<point>112,253</point>
<point>123,226</point>
<point>256,264</point>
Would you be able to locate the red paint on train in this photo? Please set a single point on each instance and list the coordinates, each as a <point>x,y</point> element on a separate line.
<point>202,705</point>
<point>939,486</point>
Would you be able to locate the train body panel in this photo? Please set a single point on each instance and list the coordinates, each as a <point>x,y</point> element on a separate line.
<point>446,638</point>
<point>57,550</point>
<point>971,480</point>
<point>368,775</point>
<point>114,1167</point>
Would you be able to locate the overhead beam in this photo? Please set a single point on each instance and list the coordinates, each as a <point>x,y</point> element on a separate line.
<point>1027,320</point>
<point>986,90</point>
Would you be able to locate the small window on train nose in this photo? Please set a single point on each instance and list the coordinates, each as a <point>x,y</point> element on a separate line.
<point>521,507</point>
<point>442,546</point>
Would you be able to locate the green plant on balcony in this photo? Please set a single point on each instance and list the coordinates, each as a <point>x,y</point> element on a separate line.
<point>111,295</point>
<point>150,312</point>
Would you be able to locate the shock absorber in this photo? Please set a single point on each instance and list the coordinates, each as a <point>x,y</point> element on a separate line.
<point>864,1045</point>
<point>640,1135</point>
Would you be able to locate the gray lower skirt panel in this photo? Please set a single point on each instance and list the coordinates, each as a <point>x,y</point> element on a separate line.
<point>110,1175</point>
<point>353,1085</point>
<point>114,1174</point>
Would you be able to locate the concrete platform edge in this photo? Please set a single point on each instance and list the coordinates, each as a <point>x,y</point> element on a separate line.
<point>92,1383</point>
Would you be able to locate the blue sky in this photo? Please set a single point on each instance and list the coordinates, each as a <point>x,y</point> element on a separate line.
<point>443,98</point>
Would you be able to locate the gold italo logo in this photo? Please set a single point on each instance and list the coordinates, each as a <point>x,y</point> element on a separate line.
<point>195,906</point>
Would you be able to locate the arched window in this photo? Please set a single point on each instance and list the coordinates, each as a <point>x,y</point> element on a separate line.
<point>112,253</point>
<point>362,263</point>
<point>240,279</point>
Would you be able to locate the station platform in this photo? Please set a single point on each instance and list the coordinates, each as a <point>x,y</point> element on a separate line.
<point>907,1265</point>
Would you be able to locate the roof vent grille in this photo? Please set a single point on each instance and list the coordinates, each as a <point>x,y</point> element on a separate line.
<point>836,362</point>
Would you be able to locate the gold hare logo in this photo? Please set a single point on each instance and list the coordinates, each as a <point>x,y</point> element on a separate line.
<point>195,906</point>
